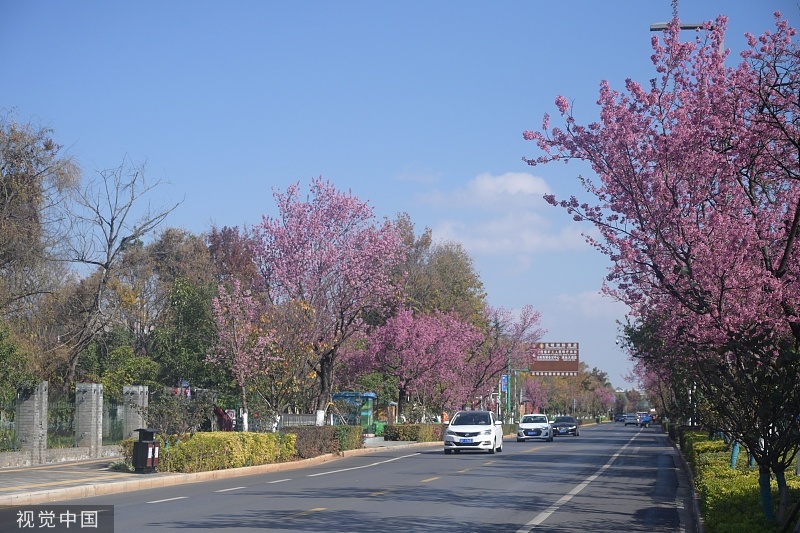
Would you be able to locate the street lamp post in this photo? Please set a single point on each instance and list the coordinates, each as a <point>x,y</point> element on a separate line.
<point>508,383</point>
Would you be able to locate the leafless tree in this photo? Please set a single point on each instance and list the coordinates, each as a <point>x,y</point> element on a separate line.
<point>108,216</point>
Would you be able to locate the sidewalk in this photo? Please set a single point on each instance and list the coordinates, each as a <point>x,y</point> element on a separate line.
<point>33,485</point>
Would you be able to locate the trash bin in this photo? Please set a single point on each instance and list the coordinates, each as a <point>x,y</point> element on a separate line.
<point>145,451</point>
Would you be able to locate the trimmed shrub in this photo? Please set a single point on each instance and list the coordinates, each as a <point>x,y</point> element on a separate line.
<point>313,441</point>
<point>414,432</point>
<point>349,437</point>
<point>220,450</point>
<point>730,501</point>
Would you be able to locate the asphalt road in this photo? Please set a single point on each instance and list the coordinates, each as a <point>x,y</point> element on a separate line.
<point>610,478</point>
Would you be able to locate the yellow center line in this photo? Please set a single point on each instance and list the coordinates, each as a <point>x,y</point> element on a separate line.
<point>429,479</point>
<point>303,513</point>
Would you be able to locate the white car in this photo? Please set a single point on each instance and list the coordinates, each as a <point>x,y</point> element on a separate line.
<point>534,427</point>
<point>474,430</point>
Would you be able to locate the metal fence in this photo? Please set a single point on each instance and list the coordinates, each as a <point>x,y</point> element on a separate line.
<point>61,423</point>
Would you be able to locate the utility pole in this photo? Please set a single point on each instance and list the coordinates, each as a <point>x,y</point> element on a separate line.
<point>508,383</point>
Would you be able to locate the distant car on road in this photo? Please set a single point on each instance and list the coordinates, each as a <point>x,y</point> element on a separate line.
<point>534,427</point>
<point>474,430</point>
<point>565,425</point>
<point>619,418</point>
<point>632,419</point>
<point>645,420</point>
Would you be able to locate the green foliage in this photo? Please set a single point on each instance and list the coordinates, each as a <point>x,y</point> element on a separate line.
<point>313,441</point>
<point>180,345</point>
<point>98,357</point>
<point>126,368</point>
<point>126,448</point>
<point>349,437</point>
<point>414,432</point>
<point>730,499</point>
<point>176,414</point>
<point>14,362</point>
<point>7,440</point>
<point>220,450</point>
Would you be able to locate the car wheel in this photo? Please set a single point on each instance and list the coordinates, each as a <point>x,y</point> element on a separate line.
<point>577,434</point>
<point>551,438</point>
<point>448,452</point>
<point>500,449</point>
<point>493,449</point>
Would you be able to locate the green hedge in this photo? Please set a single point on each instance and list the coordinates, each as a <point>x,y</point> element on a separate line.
<point>729,497</point>
<point>349,437</point>
<point>414,432</point>
<point>220,450</point>
<point>313,441</point>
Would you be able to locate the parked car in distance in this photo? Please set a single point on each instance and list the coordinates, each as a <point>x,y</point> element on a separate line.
<point>534,427</point>
<point>565,425</point>
<point>632,418</point>
<point>474,430</point>
<point>619,418</point>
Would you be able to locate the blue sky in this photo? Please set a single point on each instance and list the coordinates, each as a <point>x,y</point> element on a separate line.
<point>415,106</point>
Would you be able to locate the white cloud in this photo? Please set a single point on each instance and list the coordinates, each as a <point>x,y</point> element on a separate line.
<point>490,192</point>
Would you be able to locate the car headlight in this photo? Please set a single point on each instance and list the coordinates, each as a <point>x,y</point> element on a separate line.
<point>486,432</point>
<point>450,432</point>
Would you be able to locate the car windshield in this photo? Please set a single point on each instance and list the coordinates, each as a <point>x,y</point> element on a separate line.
<point>539,419</point>
<point>471,419</point>
<point>564,419</point>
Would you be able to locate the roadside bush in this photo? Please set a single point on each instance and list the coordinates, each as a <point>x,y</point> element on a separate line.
<point>126,448</point>
<point>729,497</point>
<point>349,437</point>
<point>414,432</point>
<point>313,441</point>
<point>220,450</point>
<point>430,433</point>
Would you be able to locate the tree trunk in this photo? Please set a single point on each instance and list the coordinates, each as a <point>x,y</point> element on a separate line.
<point>783,496</point>
<point>245,413</point>
<point>766,493</point>
<point>734,453</point>
<point>325,380</point>
<point>401,402</point>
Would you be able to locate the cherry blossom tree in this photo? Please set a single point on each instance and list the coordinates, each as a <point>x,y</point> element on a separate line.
<point>698,206</point>
<point>330,255</point>
<point>536,392</point>
<point>242,338</point>
<point>509,343</point>
<point>420,350</point>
